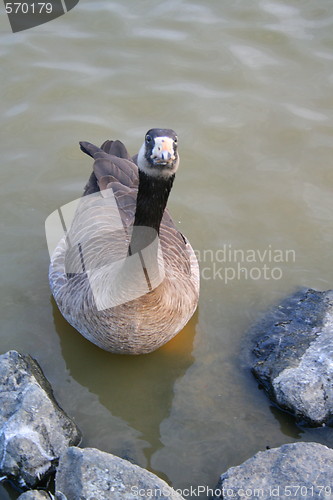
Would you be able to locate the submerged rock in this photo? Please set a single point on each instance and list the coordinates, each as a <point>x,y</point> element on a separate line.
<point>34,430</point>
<point>294,355</point>
<point>297,470</point>
<point>90,473</point>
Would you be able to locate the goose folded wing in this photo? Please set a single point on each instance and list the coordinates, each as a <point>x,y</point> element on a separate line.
<point>112,162</point>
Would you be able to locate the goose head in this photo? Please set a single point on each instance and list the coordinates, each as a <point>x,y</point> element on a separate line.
<point>158,155</point>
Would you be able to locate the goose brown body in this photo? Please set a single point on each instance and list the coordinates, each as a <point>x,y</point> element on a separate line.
<point>147,322</point>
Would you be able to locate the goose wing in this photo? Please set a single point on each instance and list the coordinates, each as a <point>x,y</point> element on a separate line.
<point>113,168</point>
<point>112,162</point>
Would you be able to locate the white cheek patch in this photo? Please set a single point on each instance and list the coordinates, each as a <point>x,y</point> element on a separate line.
<point>142,160</point>
<point>162,146</point>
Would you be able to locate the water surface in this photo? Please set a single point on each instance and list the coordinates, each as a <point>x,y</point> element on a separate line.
<point>248,88</point>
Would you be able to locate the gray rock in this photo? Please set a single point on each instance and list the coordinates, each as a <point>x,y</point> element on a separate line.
<point>34,495</point>
<point>34,430</point>
<point>93,474</point>
<point>294,355</point>
<point>297,470</point>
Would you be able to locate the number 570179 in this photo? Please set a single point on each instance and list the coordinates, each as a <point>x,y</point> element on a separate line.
<point>28,8</point>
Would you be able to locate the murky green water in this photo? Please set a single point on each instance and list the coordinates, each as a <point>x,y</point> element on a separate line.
<point>248,87</point>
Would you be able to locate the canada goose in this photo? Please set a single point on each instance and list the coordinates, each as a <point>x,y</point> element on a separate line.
<point>116,303</point>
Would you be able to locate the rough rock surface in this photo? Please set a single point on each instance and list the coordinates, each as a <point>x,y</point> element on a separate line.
<point>34,495</point>
<point>297,470</point>
<point>93,474</point>
<point>34,430</point>
<point>294,355</point>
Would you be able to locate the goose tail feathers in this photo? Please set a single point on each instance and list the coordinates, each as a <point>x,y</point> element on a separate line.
<point>115,148</point>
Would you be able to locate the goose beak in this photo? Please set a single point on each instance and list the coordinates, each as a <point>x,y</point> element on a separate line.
<point>163,152</point>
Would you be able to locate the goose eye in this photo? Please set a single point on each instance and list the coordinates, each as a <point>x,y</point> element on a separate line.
<point>175,140</point>
<point>148,138</point>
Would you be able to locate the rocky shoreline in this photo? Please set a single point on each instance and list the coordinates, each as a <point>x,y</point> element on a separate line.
<point>293,355</point>
<point>292,360</point>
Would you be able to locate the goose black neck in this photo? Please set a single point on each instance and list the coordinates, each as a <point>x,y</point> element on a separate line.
<point>151,201</point>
